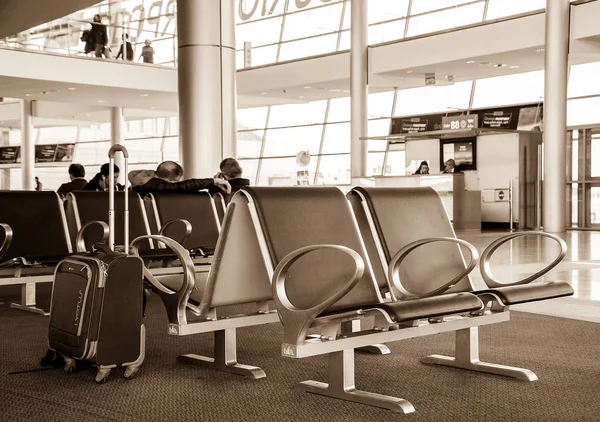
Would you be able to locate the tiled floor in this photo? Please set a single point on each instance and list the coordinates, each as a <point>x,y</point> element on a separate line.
<point>524,256</point>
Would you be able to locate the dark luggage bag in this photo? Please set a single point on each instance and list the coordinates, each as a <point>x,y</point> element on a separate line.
<point>96,310</point>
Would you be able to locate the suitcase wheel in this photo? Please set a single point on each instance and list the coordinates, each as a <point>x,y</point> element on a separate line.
<point>102,375</point>
<point>70,365</point>
<point>131,371</point>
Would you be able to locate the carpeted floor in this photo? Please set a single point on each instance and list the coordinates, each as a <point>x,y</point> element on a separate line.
<point>564,353</point>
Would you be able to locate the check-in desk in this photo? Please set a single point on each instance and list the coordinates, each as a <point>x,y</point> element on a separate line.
<point>463,207</point>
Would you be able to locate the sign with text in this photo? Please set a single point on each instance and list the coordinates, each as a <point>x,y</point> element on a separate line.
<point>464,122</point>
<point>497,120</point>
<point>54,153</point>
<point>8,155</point>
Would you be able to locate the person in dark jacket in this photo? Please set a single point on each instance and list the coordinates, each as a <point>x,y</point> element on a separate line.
<point>99,36</point>
<point>168,177</point>
<point>232,172</point>
<point>77,176</point>
<point>100,180</point>
<point>130,53</point>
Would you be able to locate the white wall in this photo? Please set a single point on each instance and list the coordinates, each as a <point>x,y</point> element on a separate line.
<point>497,164</point>
<point>425,149</point>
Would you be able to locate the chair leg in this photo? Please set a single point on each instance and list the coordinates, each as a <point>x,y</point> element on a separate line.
<point>467,357</point>
<point>28,300</point>
<point>376,349</point>
<point>341,386</point>
<point>225,360</point>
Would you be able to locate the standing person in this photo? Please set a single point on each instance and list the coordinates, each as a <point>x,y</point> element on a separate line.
<point>99,36</point>
<point>147,52</point>
<point>78,182</point>
<point>38,184</point>
<point>129,50</point>
<point>100,180</point>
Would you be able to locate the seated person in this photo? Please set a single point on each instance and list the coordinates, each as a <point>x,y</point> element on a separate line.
<point>168,179</point>
<point>100,180</point>
<point>423,168</point>
<point>77,176</point>
<point>232,172</point>
<point>449,166</point>
<point>140,177</point>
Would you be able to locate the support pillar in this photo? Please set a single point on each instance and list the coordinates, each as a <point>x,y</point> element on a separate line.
<point>207,86</point>
<point>359,89</point>
<point>27,147</point>
<point>555,115</point>
<point>117,135</point>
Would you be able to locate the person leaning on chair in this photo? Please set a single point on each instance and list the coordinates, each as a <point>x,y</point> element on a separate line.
<point>232,172</point>
<point>78,182</point>
<point>168,177</point>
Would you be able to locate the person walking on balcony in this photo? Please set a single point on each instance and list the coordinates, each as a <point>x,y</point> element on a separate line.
<point>147,53</point>
<point>99,36</point>
<point>129,50</point>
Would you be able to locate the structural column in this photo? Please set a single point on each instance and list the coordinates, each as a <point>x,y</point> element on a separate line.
<point>27,147</point>
<point>555,115</point>
<point>117,135</point>
<point>207,87</point>
<point>359,89</point>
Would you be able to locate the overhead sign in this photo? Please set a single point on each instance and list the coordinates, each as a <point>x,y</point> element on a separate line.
<point>414,125</point>
<point>8,155</point>
<point>497,120</point>
<point>54,153</point>
<point>463,122</point>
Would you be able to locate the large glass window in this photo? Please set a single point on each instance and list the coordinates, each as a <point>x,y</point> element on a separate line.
<point>445,19</point>
<point>422,6</point>
<point>432,99</point>
<point>509,89</point>
<point>502,8</point>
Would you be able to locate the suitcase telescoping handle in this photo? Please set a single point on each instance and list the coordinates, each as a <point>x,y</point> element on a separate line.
<point>111,196</point>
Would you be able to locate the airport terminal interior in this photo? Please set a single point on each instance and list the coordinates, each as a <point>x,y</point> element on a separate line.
<point>299,210</point>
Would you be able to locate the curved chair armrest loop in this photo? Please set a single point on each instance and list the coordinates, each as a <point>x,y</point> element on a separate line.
<point>175,302</point>
<point>486,257</point>
<point>79,239</point>
<point>186,224</point>
<point>8,235</point>
<point>296,320</point>
<point>394,266</point>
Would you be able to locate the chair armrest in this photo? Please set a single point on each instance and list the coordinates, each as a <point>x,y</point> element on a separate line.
<point>297,321</point>
<point>486,257</point>
<point>394,267</point>
<point>8,235</point>
<point>79,239</point>
<point>186,224</point>
<point>175,302</point>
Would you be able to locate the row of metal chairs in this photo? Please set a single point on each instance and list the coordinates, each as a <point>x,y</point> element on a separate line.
<point>328,262</point>
<point>40,229</point>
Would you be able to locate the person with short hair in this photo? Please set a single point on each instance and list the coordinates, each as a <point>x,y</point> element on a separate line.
<point>100,181</point>
<point>232,172</point>
<point>449,166</point>
<point>168,177</point>
<point>129,49</point>
<point>147,53</point>
<point>78,182</point>
<point>99,36</point>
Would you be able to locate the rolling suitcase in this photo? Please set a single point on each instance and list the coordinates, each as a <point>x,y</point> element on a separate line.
<point>96,310</point>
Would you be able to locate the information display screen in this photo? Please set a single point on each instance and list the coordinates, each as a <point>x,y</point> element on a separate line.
<point>462,150</point>
<point>8,155</point>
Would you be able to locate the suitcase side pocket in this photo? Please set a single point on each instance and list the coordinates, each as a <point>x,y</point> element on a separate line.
<point>71,292</point>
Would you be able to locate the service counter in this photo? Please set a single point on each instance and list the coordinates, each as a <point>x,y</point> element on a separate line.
<point>463,207</point>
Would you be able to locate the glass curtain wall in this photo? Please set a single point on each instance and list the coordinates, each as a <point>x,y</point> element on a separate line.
<point>273,30</point>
